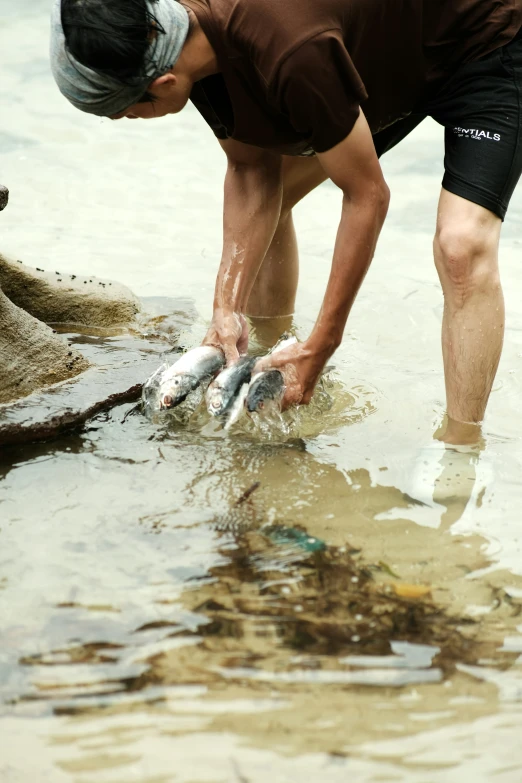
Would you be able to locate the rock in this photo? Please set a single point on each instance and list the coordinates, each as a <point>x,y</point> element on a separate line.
<point>53,297</point>
<point>119,364</point>
<point>4,197</point>
<point>64,407</point>
<point>31,354</point>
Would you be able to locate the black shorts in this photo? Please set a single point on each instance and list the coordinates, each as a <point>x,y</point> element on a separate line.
<point>480,107</point>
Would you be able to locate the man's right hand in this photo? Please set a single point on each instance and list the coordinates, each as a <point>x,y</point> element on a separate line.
<point>252,207</point>
<point>228,331</point>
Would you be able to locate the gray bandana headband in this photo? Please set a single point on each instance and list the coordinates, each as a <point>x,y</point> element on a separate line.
<point>97,93</point>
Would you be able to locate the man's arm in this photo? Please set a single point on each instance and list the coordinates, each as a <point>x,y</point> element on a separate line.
<point>252,205</point>
<point>353,166</point>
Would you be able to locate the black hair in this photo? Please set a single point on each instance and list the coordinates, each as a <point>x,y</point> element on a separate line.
<point>111,36</point>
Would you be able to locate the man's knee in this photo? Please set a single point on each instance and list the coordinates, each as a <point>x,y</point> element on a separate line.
<point>466,257</point>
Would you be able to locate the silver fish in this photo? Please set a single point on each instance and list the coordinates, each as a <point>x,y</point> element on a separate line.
<point>237,408</point>
<point>268,385</point>
<point>284,342</point>
<point>185,375</point>
<point>224,389</point>
<point>265,386</point>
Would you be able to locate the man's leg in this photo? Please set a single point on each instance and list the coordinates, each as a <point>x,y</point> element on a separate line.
<point>480,107</point>
<point>466,257</point>
<point>274,291</point>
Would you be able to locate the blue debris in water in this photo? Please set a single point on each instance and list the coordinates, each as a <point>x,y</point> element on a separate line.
<point>281,535</point>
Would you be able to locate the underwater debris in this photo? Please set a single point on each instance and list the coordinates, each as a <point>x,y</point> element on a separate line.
<point>276,606</point>
<point>276,610</point>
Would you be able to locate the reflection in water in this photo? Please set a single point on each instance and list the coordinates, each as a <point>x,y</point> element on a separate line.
<point>179,557</point>
<point>442,485</point>
<point>283,601</point>
<point>282,605</point>
<point>263,644</point>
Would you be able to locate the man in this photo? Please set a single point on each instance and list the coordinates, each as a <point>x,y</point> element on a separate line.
<point>300,92</point>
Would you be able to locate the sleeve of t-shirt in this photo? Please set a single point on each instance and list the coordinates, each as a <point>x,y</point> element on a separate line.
<point>201,101</point>
<point>319,89</point>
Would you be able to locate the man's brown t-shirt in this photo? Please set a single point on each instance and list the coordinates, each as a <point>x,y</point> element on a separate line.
<point>295,73</point>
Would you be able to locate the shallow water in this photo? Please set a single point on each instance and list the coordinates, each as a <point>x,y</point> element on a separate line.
<point>157,622</point>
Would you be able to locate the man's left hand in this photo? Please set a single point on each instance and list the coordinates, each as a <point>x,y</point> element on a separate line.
<point>301,368</point>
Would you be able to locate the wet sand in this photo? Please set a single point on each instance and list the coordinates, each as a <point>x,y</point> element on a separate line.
<point>149,628</point>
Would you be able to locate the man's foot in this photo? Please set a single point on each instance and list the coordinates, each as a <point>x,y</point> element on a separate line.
<point>460,433</point>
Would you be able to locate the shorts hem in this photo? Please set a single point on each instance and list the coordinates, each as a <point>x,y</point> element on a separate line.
<point>475,195</point>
